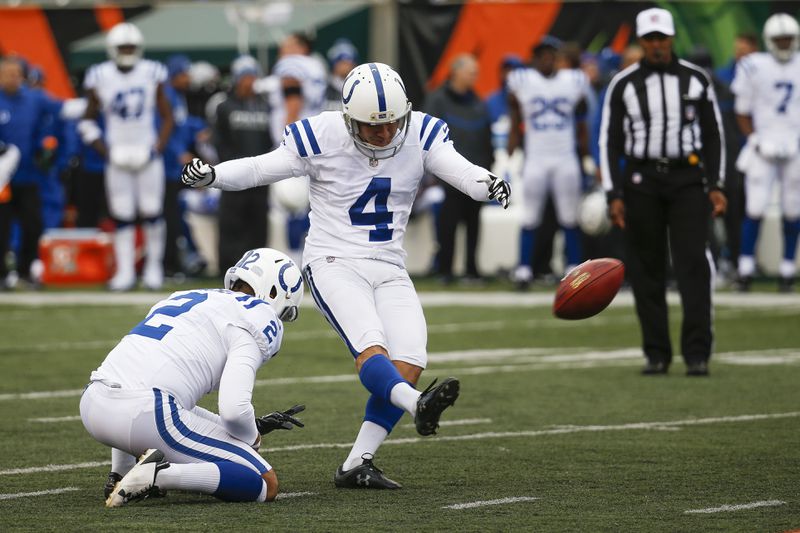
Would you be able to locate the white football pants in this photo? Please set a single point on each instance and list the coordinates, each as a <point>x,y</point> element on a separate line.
<point>370,303</point>
<point>135,420</point>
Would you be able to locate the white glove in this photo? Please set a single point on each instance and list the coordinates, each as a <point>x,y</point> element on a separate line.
<point>196,173</point>
<point>498,189</point>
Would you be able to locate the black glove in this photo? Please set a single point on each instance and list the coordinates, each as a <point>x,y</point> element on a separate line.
<point>280,420</point>
<point>196,173</point>
<point>499,189</point>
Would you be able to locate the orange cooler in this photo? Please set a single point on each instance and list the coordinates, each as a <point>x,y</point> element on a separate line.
<point>76,256</point>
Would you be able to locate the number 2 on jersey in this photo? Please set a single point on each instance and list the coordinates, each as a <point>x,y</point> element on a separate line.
<point>158,332</point>
<point>379,188</point>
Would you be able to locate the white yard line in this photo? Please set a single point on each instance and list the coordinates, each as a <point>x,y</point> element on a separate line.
<point>460,422</point>
<point>37,493</point>
<point>501,501</point>
<point>52,419</point>
<point>562,430</point>
<point>52,468</point>
<point>526,359</point>
<point>285,495</point>
<point>740,507</point>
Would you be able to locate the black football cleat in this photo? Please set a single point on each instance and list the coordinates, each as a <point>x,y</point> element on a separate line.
<point>786,284</point>
<point>111,482</point>
<point>364,476</point>
<point>114,478</point>
<point>432,402</point>
<point>140,482</point>
<point>743,284</point>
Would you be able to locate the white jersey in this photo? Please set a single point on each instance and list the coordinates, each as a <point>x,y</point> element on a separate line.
<point>548,107</point>
<point>128,100</point>
<point>313,78</point>
<point>357,210</point>
<point>769,91</point>
<point>181,346</point>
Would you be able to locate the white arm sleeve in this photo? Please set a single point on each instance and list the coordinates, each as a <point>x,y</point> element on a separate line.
<point>236,385</point>
<point>446,163</point>
<point>249,172</point>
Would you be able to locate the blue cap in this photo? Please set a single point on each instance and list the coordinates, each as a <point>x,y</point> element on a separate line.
<point>512,61</point>
<point>547,42</point>
<point>245,65</point>
<point>178,64</point>
<point>342,49</point>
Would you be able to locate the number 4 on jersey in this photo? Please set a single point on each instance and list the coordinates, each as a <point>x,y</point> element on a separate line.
<point>379,188</point>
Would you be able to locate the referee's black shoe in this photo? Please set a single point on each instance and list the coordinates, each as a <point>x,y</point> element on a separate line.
<point>364,476</point>
<point>697,368</point>
<point>655,368</point>
<point>432,402</point>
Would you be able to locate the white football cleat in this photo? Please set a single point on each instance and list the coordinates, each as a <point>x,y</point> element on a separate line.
<point>140,480</point>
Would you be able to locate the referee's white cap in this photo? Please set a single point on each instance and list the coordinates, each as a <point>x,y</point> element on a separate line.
<point>654,20</point>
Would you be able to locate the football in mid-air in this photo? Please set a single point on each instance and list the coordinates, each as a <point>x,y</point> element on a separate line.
<point>588,288</point>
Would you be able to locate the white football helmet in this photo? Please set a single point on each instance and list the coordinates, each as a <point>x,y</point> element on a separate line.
<point>781,25</point>
<point>373,93</point>
<point>274,278</point>
<point>593,214</point>
<point>124,34</point>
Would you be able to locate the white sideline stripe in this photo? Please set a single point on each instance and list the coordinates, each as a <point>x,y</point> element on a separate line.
<point>475,436</point>
<point>590,359</point>
<point>52,468</point>
<point>556,431</point>
<point>429,299</point>
<point>37,493</point>
<point>284,495</point>
<point>726,508</point>
<point>501,501</point>
<point>51,419</point>
<point>461,422</point>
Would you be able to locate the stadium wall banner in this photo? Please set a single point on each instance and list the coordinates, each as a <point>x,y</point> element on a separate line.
<point>431,34</point>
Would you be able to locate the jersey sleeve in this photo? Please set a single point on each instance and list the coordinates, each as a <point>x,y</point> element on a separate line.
<point>304,137</point>
<point>160,72</point>
<point>236,385</point>
<point>742,86</point>
<point>91,79</point>
<point>259,319</point>
<point>433,133</point>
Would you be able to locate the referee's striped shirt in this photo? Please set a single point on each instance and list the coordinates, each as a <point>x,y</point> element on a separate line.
<point>667,114</point>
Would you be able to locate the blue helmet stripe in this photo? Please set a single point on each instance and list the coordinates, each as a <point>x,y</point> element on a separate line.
<point>298,140</point>
<point>311,138</point>
<point>378,87</point>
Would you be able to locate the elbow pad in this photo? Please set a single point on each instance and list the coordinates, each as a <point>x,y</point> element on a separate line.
<point>89,131</point>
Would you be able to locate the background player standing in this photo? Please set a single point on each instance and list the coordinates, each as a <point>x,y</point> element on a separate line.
<point>129,92</point>
<point>767,89</point>
<point>548,102</point>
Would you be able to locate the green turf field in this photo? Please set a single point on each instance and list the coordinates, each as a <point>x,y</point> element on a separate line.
<point>554,424</point>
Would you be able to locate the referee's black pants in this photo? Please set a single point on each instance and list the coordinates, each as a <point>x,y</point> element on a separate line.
<point>672,209</point>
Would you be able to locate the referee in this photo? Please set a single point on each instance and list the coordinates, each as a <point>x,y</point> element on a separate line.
<point>662,163</point>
